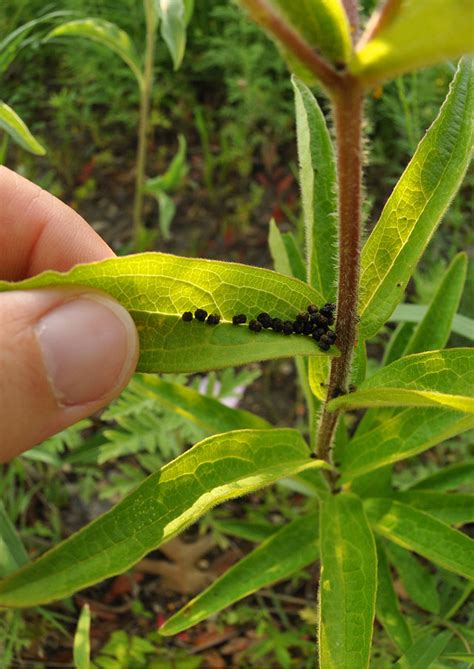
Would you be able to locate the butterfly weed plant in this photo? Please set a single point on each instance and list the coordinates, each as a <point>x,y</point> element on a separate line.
<point>360,524</point>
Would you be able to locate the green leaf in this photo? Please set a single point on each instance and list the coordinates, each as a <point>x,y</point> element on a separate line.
<point>173,28</point>
<point>294,256</point>
<point>413,34</point>
<point>216,469</point>
<point>435,378</point>
<point>387,607</point>
<point>318,374</point>
<point>347,584</point>
<point>82,645</point>
<point>167,210</point>
<point>18,131</point>
<point>450,508</point>
<point>284,553</point>
<point>461,474</point>
<point>424,651</point>
<point>245,530</point>
<point>434,330</point>
<point>285,253</point>
<point>322,23</point>
<point>414,313</point>
<point>12,552</point>
<point>173,176</point>
<point>104,33</point>
<point>419,532</point>
<point>398,342</point>
<point>394,436</point>
<point>419,582</point>
<point>157,288</point>
<point>205,412</point>
<point>318,191</point>
<point>416,205</point>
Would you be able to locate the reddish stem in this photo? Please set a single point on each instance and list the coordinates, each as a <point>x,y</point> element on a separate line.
<point>348,104</point>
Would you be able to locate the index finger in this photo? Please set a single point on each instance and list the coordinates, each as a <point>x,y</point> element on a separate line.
<point>39,232</point>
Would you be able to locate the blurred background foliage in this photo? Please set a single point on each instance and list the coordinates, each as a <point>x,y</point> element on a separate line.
<point>233,103</point>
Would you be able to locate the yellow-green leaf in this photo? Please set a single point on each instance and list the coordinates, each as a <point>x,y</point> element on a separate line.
<point>82,644</point>
<point>387,606</point>
<point>216,469</point>
<point>419,532</point>
<point>284,553</point>
<point>413,34</point>
<point>18,131</point>
<point>347,584</point>
<point>416,205</point>
<point>105,33</point>
<point>157,288</point>
<point>443,379</point>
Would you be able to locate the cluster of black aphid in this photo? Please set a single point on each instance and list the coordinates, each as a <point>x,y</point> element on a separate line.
<point>314,322</point>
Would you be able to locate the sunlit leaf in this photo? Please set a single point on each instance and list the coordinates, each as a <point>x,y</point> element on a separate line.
<point>104,33</point>
<point>419,532</point>
<point>416,205</point>
<point>414,313</point>
<point>174,15</point>
<point>318,191</point>
<point>451,508</point>
<point>347,584</point>
<point>216,469</point>
<point>396,435</point>
<point>82,645</point>
<point>413,34</point>
<point>18,131</point>
<point>460,474</point>
<point>443,379</point>
<point>284,553</point>
<point>157,288</point>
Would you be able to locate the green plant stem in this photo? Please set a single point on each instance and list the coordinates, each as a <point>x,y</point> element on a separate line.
<point>145,95</point>
<point>348,104</point>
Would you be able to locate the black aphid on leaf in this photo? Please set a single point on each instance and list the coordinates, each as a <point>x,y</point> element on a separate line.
<point>200,315</point>
<point>255,326</point>
<point>187,316</point>
<point>318,333</point>
<point>312,309</point>
<point>287,328</point>
<point>308,328</point>
<point>213,319</point>
<point>298,327</point>
<point>323,346</point>
<point>320,320</point>
<point>303,317</point>
<point>277,324</point>
<point>331,336</point>
<point>265,319</point>
<point>239,318</point>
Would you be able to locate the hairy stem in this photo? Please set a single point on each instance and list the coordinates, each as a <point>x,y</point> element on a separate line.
<point>266,16</point>
<point>145,94</point>
<point>348,104</point>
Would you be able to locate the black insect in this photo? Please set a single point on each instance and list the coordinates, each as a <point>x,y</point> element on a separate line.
<point>265,319</point>
<point>320,320</point>
<point>187,316</point>
<point>352,388</point>
<point>323,346</point>
<point>325,339</point>
<point>200,315</point>
<point>298,327</point>
<point>318,333</point>
<point>287,328</point>
<point>337,392</point>
<point>331,306</point>
<point>213,319</point>
<point>312,309</point>
<point>255,326</point>
<point>308,328</point>
<point>303,317</point>
<point>239,318</point>
<point>331,336</point>
<point>277,324</point>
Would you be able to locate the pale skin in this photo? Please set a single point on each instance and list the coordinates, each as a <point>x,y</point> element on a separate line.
<point>64,353</point>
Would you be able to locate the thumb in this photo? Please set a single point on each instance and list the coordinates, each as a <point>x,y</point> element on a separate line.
<point>64,354</point>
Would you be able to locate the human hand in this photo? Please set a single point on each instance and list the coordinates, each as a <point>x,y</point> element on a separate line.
<point>64,352</point>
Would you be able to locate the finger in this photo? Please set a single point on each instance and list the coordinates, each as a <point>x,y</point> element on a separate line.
<point>64,354</point>
<point>39,232</point>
